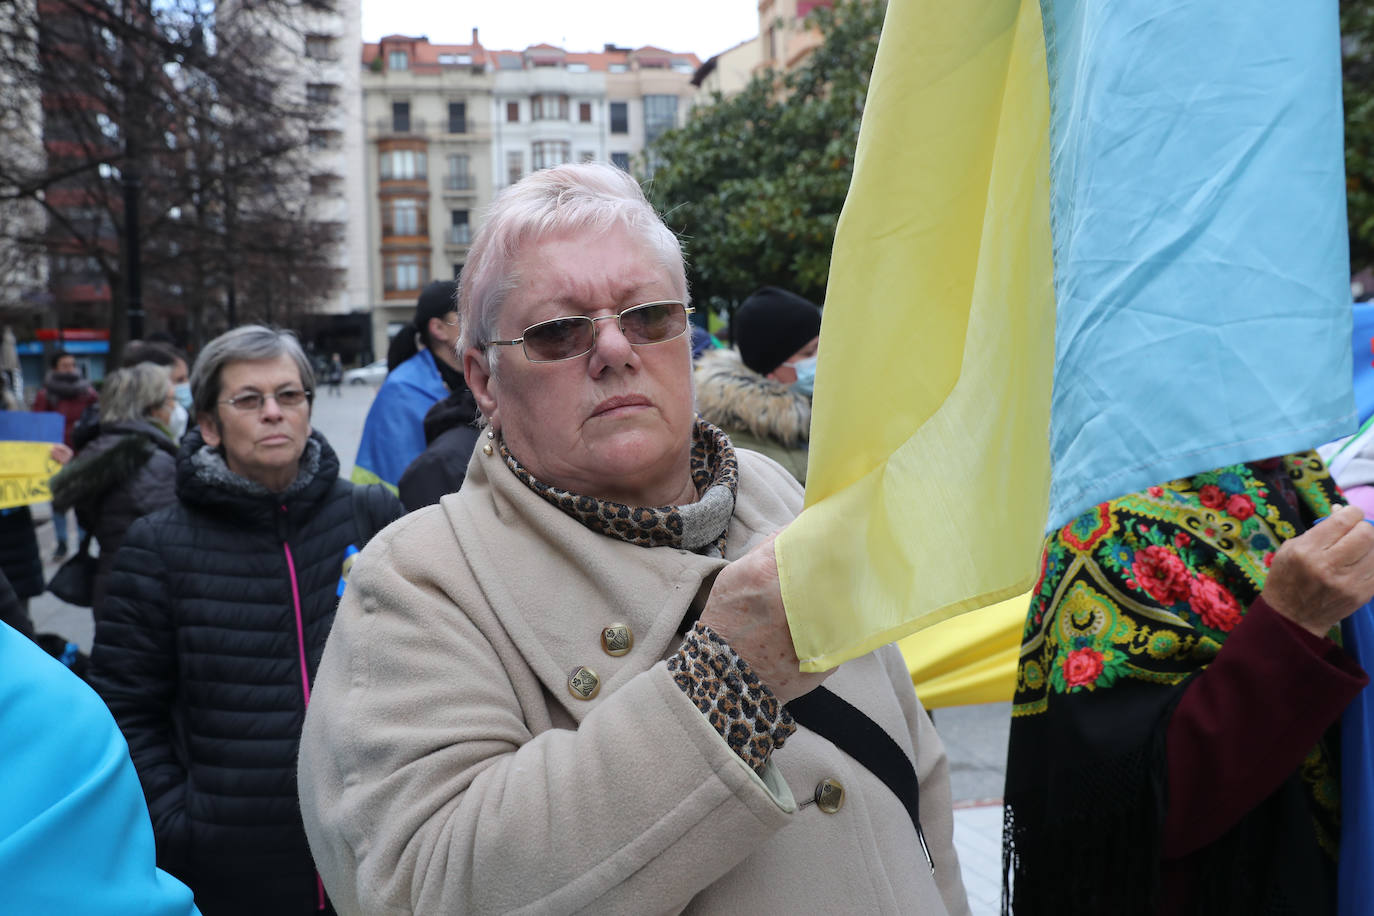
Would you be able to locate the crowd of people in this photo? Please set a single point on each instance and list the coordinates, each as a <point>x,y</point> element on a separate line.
<point>534,656</point>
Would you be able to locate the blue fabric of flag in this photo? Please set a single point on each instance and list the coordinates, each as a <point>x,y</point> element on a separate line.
<point>1355,883</point>
<point>1200,252</point>
<point>1362,354</point>
<point>394,433</point>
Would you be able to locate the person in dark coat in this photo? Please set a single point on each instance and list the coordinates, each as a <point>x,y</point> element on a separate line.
<point>64,391</point>
<point>214,619</point>
<point>20,562</point>
<point>451,434</point>
<point>129,469</point>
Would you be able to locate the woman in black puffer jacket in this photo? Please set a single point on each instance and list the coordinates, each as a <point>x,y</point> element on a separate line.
<point>214,620</point>
<point>129,469</point>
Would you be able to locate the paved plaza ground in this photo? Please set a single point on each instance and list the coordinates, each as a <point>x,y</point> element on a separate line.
<point>975,736</point>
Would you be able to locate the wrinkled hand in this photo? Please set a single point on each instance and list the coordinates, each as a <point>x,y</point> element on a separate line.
<point>61,453</point>
<point>745,608</point>
<point>1324,575</point>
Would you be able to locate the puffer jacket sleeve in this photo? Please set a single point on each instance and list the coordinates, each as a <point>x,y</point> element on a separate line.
<point>133,668</point>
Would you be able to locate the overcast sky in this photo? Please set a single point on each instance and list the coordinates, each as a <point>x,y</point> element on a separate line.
<point>705,27</point>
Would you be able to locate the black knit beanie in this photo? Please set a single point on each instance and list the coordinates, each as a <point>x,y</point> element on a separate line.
<point>771,325</point>
<point>436,300</point>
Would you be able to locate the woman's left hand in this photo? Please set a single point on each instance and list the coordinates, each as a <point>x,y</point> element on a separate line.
<point>61,453</point>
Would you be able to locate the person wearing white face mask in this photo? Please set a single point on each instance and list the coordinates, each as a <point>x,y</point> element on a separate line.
<point>760,394</point>
<point>128,468</point>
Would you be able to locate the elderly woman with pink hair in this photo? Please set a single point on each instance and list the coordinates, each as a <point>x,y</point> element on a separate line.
<point>570,686</point>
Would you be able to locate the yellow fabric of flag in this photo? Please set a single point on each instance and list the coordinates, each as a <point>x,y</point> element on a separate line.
<point>928,480</point>
<point>970,658</point>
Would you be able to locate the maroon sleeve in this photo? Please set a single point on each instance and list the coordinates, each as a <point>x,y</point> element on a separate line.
<point>40,401</point>
<point>1245,724</point>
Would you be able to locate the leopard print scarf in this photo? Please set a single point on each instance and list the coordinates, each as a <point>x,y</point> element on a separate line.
<point>700,526</point>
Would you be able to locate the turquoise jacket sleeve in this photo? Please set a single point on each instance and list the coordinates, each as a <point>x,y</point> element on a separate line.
<point>75,837</point>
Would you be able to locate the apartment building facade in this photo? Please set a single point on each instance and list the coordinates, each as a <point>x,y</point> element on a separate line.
<point>449,126</point>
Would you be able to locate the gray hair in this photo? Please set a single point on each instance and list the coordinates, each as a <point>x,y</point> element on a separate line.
<point>135,393</point>
<point>591,198</point>
<point>250,343</point>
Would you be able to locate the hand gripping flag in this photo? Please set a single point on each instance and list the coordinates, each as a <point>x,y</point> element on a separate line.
<point>1080,255</point>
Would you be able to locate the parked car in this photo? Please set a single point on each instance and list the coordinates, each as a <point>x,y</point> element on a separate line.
<point>374,373</point>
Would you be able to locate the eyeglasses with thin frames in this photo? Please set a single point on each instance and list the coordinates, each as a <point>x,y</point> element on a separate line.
<point>572,336</point>
<point>286,399</point>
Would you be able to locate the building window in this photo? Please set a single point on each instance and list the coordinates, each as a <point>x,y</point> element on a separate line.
<point>549,107</point>
<point>458,231</point>
<point>398,60</point>
<point>403,216</point>
<point>620,117</point>
<point>457,117</point>
<point>618,68</point>
<point>621,160</point>
<point>400,117</point>
<point>403,273</point>
<point>324,185</point>
<point>320,93</point>
<point>515,166</point>
<point>578,66</point>
<point>403,165</point>
<point>512,112</point>
<point>660,116</point>
<point>548,153</point>
<point>319,47</point>
<point>584,112</point>
<point>586,156</point>
<point>459,178</point>
<point>455,60</point>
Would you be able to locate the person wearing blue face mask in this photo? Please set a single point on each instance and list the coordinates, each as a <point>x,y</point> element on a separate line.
<point>760,394</point>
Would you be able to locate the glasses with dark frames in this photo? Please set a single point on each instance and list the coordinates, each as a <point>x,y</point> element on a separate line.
<point>574,335</point>
<point>286,398</point>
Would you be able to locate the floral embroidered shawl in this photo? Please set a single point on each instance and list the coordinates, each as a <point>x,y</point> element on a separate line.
<point>1135,596</point>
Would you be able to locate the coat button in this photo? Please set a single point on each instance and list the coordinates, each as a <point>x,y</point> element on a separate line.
<point>583,683</point>
<point>829,795</point>
<point>617,639</point>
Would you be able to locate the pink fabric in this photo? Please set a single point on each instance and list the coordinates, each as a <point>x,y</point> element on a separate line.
<point>1362,497</point>
<point>305,675</point>
<point>300,626</point>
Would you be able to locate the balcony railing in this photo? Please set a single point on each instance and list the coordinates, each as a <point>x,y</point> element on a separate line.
<point>460,235</point>
<point>394,125</point>
<point>458,183</point>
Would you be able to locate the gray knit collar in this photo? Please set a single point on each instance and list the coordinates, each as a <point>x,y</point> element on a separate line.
<point>212,470</point>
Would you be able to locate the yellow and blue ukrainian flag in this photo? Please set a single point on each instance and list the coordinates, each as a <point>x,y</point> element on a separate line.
<point>1088,246</point>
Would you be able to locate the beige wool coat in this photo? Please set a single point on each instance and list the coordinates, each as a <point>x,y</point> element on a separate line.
<point>446,768</point>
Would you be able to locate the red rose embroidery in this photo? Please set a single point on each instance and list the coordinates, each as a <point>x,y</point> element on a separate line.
<point>1240,507</point>
<point>1212,497</point>
<point>1156,492</point>
<point>1214,604</point>
<point>1160,572</point>
<point>1268,560</point>
<point>1082,667</point>
<point>1182,539</point>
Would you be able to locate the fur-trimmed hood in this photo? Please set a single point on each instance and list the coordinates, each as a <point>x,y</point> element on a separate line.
<point>111,460</point>
<point>733,396</point>
<point>65,386</point>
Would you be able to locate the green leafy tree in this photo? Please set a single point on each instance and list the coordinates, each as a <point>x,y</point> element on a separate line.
<point>754,183</point>
<point>1357,31</point>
